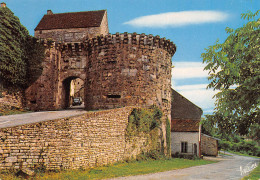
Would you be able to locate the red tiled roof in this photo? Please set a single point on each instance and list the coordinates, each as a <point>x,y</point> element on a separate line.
<point>71,20</point>
<point>184,125</point>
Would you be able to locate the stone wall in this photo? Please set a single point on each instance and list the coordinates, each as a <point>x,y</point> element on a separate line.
<point>93,139</point>
<point>43,93</point>
<point>209,145</point>
<point>10,100</point>
<point>128,69</point>
<point>118,70</point>
<point>68,35</point>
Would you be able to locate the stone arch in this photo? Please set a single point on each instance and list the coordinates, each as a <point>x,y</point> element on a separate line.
<point>66,98</point>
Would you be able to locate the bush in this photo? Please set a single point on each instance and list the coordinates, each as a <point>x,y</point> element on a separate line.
<point>244,147</point>
<point>153,154</point>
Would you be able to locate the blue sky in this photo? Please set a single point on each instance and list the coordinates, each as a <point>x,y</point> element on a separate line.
<point>192,25</point>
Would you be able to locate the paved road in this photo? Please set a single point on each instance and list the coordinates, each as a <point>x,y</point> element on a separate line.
<point>227,169</point>
<point>27,118</point>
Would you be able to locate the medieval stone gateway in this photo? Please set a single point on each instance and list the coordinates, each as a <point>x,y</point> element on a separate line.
<point>118,70</point>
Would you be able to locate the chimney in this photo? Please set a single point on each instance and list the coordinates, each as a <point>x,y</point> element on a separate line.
<point>49,12</point>
<point>3,4</point>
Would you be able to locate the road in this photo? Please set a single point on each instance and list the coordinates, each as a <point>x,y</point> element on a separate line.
<point>229,168</point>
<point>27,118</point>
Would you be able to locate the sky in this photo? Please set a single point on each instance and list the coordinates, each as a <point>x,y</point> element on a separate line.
<point>192,25</point>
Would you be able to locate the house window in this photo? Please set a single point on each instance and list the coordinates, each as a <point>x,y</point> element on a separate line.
<point>184,147</point>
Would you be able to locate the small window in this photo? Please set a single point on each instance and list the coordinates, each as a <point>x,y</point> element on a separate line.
<point>113,96</point>
<point>33,102</point>
<point>184,147</point>
<point>111,62</point>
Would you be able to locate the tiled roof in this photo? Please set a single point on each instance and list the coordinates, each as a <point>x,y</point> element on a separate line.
<point>182,108</point>
<point>71,20</point>
<point>184,125</point>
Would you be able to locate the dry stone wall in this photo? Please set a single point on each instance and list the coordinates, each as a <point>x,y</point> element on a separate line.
<point>93,139</point>
<point>13,100</point>
<point>209,145</point>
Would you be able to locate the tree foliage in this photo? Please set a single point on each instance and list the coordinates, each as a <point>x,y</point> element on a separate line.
<point>20,54</point>
<point>234,70</point>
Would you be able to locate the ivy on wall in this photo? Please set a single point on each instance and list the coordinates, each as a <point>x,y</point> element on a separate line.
<point>168,136</point>
<point>144,122</point>
<point>21,55</point>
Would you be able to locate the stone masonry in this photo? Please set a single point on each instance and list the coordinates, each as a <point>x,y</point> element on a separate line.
<point>85,141</point>
<point>118,70</point>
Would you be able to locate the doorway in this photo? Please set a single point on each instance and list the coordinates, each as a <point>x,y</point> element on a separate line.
<point>73,93</point>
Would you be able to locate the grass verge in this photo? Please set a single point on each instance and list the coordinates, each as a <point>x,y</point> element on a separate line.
<point>118,170</point>
<point>254,175</point>
<point>241,154</point>
<point>10,110</point>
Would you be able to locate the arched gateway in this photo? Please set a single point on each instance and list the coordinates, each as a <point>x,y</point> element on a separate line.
<point>118,70</point>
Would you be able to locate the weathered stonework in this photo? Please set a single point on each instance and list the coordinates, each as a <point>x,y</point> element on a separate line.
<point>118,70</point>
<point>93,139</point>
<point>10,100</point>
<point>209,145</point>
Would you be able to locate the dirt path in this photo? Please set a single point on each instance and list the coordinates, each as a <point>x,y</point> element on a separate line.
<point>229,168</point>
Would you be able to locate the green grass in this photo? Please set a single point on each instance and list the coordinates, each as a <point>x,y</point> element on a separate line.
<point>9,111</point>
<point>120,169</point>
<point>254,175</point>
<point>241,154</point>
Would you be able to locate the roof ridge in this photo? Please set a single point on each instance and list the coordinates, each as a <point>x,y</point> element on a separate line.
<point>78,12</point>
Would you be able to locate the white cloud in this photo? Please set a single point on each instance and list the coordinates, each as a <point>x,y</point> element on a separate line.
<point>199,95</point>
<point>184,70</point>
<point>189,87</point>
<point>177,19</point>
<point>196,93</point>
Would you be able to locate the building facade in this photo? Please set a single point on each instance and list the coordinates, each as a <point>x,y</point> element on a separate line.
<point>185,126</point>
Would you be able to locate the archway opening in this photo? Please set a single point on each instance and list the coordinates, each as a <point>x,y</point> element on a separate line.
<point>73,93</point>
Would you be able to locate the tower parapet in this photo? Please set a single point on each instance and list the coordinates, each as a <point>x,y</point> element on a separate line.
<point>141,40</point>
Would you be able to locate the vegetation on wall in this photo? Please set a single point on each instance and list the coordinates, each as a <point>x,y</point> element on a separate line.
<point>20,54</point>
<point>143,120</point>
<point>145,123</point>
<point>168,136</point>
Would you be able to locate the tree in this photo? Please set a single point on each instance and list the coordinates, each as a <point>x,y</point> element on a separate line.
<point>234,70</point>
<point>17,52</point>
<point>208,126</point>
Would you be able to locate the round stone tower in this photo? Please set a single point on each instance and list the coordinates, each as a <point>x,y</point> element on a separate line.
<point>128,69</point>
